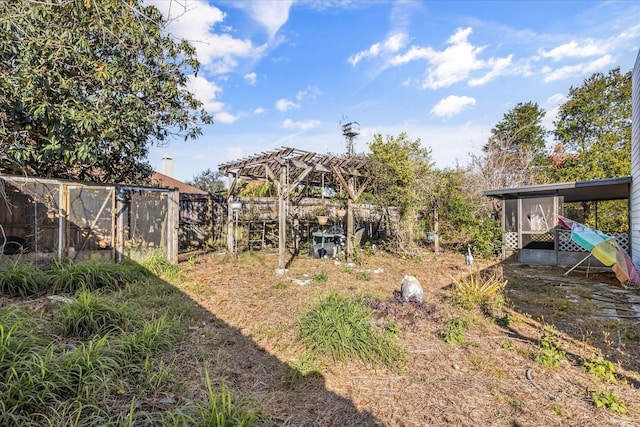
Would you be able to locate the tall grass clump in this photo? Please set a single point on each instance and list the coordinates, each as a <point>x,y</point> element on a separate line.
<point>221,409</point>
<point>158,265</point>
<point>22,280</point>
<point>69,277</point>
<point>29,375</point>
<point>89,315</point>
<point>341,327</point>
<point>90,368</point>
<point>148,339</point>
<point>479,290</point>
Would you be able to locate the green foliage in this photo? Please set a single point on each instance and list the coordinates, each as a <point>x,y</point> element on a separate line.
<point>220,410</point>
<point>296,372</point>
<point>398,165</point>
<point>320,277</point>
<point>453,332</point>
<point>601,368</point>
<point>340,327</point>
<point>516,143</point>
<point>462,219</point>
<point>608,400</point>
<point>23,280</point>
<point>115,83</point>
<point>594,128</point>
<point>89,315</point>
<point>520,129</point>
<point>89,369</point>
<point>479,290</point>
<point>50,380</point>
<point>68,277</point>
<point>150,338</point>
<point>209,181</point>
<point>158,265</point>
<point>364,276</point>
<point>548,354</point>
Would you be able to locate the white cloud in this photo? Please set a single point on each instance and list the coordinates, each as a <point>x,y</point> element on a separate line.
<point>498,66</point>
<point>285,105</point>
<point>392,44</point>
<point>573,49</point>
<point>311,92</point>
<point>577,70</point>
<point>206,92</point>
<point>196,21</point>
<point>259,110</point>
<point>303,125</point>
<point>271,14</point>
<point>224,117</point>
<point>556,98</point>
<point>452,105</point>
<point>250,78</point>
<point>453,64</point>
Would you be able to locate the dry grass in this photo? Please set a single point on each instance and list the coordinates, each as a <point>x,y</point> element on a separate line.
<point>246,337</point>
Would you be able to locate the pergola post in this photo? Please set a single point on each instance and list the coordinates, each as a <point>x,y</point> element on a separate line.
<point>282,218</point>
<point>349,227</point>
<point>230,239</point>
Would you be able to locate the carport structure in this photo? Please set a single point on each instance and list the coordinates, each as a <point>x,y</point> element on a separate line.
<point>529,218</point>
<point>291,170</point>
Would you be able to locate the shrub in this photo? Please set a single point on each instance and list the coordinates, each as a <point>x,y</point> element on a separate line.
<point>480,290</point>
<point>340,327</point>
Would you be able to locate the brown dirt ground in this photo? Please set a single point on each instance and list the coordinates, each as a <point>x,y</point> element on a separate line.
<point>246,338</point>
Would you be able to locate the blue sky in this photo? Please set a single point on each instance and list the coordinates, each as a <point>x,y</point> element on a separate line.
<point>283,73</point>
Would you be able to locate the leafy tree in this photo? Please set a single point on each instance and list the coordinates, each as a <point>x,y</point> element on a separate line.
<point>397,166</point>
<point>87,86</point>
<point>594,141</point>
<point>465,214</point>
<point>516,145</point>
<point>399,176</point>
<point>209,181</point>
<point>594,128</point>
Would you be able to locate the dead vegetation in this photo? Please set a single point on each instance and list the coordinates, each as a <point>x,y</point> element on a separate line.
<point>491,372</point>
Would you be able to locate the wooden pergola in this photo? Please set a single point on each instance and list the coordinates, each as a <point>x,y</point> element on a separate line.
<point>290,169</point>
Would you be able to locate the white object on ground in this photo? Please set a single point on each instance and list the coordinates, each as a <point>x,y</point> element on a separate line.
<point>411,289</point>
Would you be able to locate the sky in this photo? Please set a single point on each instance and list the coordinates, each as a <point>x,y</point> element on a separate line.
<point>291,73</point>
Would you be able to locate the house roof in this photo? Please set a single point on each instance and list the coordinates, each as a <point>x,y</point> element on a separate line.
<point>578,191</point>
<point>162,180</point>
